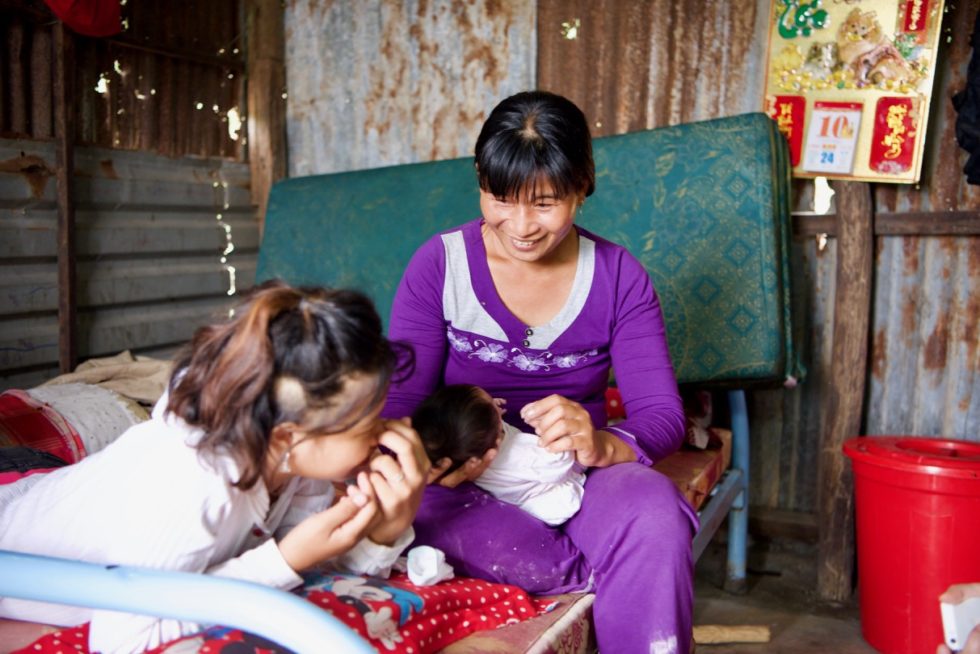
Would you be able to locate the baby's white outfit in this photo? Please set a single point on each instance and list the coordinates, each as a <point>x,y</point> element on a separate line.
<point>547,485</point>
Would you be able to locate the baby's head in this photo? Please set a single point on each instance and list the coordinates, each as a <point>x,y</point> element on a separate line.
<point>458,422</point>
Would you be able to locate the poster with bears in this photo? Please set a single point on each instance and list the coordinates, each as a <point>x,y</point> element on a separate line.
<point>849,84</point>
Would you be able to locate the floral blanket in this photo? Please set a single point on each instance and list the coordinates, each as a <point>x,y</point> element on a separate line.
<point>394,615</point>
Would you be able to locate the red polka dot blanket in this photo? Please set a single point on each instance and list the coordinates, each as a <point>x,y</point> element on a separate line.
<point>394,615</point>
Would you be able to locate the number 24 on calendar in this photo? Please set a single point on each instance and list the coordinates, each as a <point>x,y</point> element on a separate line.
<point>832,137</point>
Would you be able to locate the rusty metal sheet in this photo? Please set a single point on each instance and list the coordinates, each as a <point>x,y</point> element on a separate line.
<point>385,82</point>
<point>112,330</point>
<point>162,246</point>
<point>788,424</point>
<point>943,185</point>
<point>172,81</point>
<point>925,341</point>
<point>27,341</point>
<point>27,173</point>
<point>639,65</point>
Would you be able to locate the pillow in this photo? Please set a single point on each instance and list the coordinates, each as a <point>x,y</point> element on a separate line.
<point>698,432</point>
<point>27,422</point>
<point>393,614</point>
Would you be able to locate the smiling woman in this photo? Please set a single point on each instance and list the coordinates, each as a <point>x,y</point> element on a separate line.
<point>536,310</point>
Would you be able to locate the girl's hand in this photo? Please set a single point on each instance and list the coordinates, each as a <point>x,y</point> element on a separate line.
<point>332,532</point>
<point>565,426</point>
<point>398,481</point>
<point>466,472</point>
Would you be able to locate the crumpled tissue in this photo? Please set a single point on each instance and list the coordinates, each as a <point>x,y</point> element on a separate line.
<point>427,566</point>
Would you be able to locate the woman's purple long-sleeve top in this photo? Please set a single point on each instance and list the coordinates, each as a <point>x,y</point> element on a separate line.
<point>448,310</point>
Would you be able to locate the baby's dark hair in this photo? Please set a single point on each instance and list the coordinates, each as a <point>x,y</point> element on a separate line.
<point>284,356</point>
<point>458,422</point>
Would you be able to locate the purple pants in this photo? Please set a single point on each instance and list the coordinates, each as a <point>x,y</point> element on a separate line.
<point>630,544</point>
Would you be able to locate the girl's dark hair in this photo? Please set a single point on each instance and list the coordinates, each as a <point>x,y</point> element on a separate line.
<point>315,339</point>
<point>532,137</point>
<point>458,422</point>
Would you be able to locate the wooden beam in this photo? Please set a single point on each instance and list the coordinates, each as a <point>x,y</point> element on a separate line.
<point>717,634</point>
<point>265,60</point>
<point>769,524</point>
<point>41,93</point>
<point>928,223</point>
<point>64,119</point>
<point>18,66</point>
<point>908,223</point>
<point>845,399</point>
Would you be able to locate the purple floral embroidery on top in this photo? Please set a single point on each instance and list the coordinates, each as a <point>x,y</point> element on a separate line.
<point>459,344</point>
<point>572,359</point>
<point>529,362</point>
<point>490,352</point>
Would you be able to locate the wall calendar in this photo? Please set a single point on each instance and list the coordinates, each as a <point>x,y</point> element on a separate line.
<point>849,82</point>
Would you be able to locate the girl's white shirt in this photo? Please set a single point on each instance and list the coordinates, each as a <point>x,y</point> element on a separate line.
<point>150,500</point>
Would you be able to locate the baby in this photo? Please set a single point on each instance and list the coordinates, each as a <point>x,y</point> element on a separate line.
<point>462,421</point>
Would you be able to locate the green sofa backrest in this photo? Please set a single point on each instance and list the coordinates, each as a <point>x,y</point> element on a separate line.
<point>703,205</point>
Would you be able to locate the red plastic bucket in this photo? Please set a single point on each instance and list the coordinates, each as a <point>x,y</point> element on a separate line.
<point>918,531</point>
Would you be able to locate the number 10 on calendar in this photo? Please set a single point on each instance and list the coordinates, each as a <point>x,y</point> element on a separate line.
<point>832,137</point>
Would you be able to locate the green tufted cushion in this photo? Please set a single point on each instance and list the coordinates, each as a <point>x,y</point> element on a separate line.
<point>714,238</point>
<point>704,206</point>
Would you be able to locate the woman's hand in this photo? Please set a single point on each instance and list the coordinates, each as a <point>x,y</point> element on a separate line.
<point>565,426</point>
<point>954,595</point>
<point>398,480</point>
<point>332,532</point>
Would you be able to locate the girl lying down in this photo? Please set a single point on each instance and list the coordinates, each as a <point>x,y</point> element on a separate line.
<point>233,473</point>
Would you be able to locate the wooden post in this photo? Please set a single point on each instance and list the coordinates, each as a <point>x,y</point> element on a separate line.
<point>265,57</point>
<point>64,119</point>
<point>845,403</point>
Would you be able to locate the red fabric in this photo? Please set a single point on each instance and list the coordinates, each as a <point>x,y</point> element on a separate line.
<point>396,616</point>
<point>88,17</point>
<point>11,477</point>
<point>614,404</point>
<point>25,421</point>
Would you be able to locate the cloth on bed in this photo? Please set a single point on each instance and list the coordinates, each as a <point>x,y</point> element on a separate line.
<point>79,413</point>
<point>393,614</point>
<point>139,378</point>
<point>26,459</point>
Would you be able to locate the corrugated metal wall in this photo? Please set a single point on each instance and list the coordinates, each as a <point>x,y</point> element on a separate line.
<point>170,82</point>
<point>654,63</point>
<point>651,63</point>
<point>387,82</point>
<point>161,243</point>
<point>925,377</point>
<point>926,365</point>
<point>383,82</point>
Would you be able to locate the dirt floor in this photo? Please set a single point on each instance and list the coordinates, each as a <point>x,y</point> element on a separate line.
<point>781,595</point>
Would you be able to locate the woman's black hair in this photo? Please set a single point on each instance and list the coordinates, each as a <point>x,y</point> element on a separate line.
<point>313,339</point>
<point>535,137</point>
<point>458,422</point>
